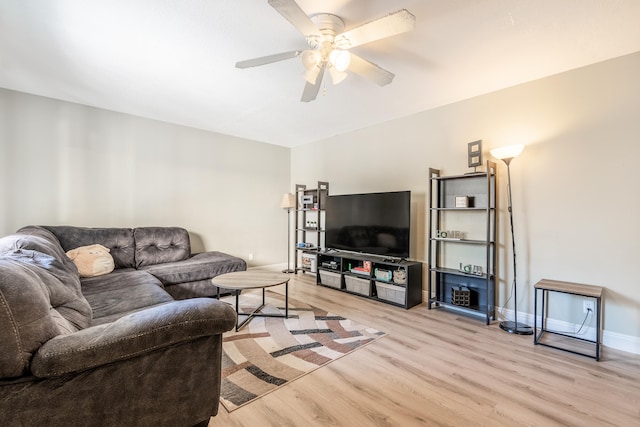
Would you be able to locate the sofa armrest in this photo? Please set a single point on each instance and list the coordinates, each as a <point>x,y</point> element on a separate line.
<point>133,335</point>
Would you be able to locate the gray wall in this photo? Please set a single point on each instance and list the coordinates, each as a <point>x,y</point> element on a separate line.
<point>64,163</point>
<point>575,195</point>
<point>575,198</point>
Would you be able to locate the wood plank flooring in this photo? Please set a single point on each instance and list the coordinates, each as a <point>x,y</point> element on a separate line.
<point>439,368</point>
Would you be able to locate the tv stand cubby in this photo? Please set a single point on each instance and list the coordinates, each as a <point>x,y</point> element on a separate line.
<point>392,281</point>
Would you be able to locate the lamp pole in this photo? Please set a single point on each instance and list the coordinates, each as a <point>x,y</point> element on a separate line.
<point>287,203</point>
<point>507,154</point>
<point>507,325</point>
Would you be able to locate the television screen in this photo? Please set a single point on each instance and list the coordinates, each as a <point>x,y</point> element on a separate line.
<point>373,223</point>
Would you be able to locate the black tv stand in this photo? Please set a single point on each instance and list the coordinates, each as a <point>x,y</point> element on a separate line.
<point>394,281</point>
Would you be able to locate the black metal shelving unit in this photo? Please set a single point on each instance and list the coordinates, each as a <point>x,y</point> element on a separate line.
<point>309,224</point>
<point>474,245</point>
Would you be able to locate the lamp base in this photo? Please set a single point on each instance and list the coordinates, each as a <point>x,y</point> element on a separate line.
<point>288,271</point>
<point>516,328</point>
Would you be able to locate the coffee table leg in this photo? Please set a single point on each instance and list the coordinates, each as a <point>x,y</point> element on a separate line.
<point>237,309</point>
<point>255,313</point>
<point>251,315</point>
<point>286,300</point>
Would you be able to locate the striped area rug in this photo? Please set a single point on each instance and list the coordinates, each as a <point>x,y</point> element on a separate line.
<point>270,352</point>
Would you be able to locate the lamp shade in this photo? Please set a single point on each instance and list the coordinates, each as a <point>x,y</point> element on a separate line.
<point>340,59</point>
<point>311,75</point>
<point>508,152</point>
<point>336,75</point>
<point>310,58</point>
<point>288,201</point>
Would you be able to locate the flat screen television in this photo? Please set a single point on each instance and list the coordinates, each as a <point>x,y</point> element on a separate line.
<point>372,223</point>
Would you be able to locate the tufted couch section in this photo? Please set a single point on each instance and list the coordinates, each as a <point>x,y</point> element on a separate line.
<point>110,350</point>
<point>163,252</point>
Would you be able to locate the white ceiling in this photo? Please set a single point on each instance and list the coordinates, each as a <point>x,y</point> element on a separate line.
<point>173,60</point>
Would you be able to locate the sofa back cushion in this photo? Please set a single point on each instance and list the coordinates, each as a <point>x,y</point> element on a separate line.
<point>39,239</point>
<point>120,241</point>
<point>157,245</point>
<point>38,301</point>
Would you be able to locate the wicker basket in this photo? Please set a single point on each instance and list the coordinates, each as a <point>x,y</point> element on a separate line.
<point>330,279</point>
<point>391,293</point>
<point>400,276</point>
<point>359,286</point>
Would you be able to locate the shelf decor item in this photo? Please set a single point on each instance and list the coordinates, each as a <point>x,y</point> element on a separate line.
<point>288,202</point>
<point>461,296</point>
<point>474,154</point>
<point>400,276</point>
<point>507,154</point>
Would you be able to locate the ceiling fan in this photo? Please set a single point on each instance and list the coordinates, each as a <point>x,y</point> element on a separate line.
<point>329,45</point>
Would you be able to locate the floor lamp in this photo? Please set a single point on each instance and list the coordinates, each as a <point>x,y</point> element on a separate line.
<point>506,154</point>
<point>288,202</point>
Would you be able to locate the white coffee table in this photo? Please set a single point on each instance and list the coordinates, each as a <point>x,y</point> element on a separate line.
<point>240,280</point>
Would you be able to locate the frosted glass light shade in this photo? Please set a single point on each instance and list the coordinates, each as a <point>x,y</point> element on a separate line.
<point>336,75</point>
<point>312,75</point>
<point>340,59</point>
<point>508,152</point>
<point>310,58</point>
<point>288,201</point>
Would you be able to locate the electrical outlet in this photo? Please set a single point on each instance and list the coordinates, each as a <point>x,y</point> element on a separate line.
<point>587,305</point>
<point>250,257</point>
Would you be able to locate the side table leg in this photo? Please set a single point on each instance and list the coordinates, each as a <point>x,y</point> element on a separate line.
<point>598,310</point>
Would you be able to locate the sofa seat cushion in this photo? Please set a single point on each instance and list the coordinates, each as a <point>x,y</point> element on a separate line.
<point>201,266</point>
<point>197,289</point>
<point>122,292</point>
<point>120,241</point>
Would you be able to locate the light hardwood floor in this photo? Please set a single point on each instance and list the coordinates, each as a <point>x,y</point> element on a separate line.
<point>439,368</point>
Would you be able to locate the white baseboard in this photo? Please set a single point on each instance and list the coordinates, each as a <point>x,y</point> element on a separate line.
<point>610,339</point>
<point>615,340</point>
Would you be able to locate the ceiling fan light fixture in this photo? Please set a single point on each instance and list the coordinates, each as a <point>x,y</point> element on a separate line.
<point>311,75</point>
<point>340,59</point>
<point>310,59</point>
<point>337,76</point>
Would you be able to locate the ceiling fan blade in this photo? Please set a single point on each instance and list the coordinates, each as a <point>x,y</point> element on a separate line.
<point>370,71</point>
<point>267,59</point>
<point>310,91</point>
<point>290,10</point>
<point>387,26</point>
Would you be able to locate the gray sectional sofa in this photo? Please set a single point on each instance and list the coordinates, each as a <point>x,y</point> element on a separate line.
<point>134,347</point>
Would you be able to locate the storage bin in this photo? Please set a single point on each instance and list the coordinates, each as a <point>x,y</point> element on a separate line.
<point>391,293</point>
<point>328,278</point>
<point>359,286</point>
